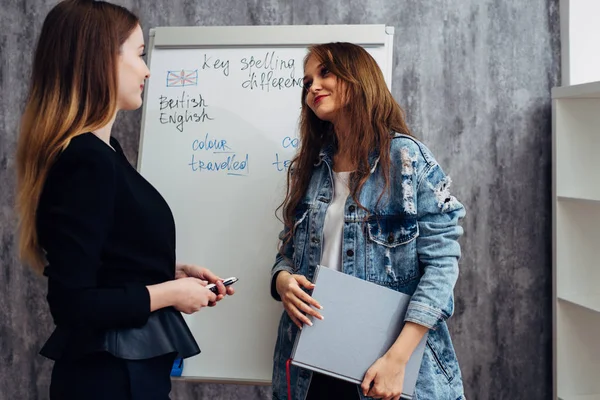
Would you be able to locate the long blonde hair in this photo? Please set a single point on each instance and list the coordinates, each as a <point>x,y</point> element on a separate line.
<point>73,90</point>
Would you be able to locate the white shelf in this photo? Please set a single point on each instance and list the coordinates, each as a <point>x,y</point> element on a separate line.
<point>584,91</point>
<point>578,352</point>
<point>581,397</point>
<point>577,199</point>
<point>576,241</point>
<point>577,137</point>
<point>589,301</point>
<point>577,249</point>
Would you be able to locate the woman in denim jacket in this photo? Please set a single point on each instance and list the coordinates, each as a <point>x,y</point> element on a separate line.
<point>366,198</point>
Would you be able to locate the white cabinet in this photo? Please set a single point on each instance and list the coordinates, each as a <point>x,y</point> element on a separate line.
<point>576,241</point>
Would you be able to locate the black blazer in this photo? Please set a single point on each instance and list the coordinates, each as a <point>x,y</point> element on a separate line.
<point>107,234</point>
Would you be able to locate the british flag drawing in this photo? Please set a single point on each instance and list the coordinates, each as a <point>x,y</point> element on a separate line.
<point>182,78</point>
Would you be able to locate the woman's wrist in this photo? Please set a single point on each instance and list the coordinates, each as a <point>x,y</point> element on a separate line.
<point>398,355</point>
<point>279,277</point>
<point>162,295</point>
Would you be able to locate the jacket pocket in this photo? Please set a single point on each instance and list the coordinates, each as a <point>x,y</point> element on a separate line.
<point>391,251</point>
<point>440,362</point>
<point>393,230</point>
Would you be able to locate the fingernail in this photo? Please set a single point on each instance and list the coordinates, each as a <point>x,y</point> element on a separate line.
<point>310,323</point>
<point>322,317</point>
<point>320,307</point>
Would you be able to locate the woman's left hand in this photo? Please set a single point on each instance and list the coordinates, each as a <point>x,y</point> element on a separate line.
<point>386,376</point>
<point>194,271</point>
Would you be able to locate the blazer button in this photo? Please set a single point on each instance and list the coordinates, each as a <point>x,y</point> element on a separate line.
<point>391,238</point>
<point>351,208</point>
<point>350,253</point>
<point>315,240</point>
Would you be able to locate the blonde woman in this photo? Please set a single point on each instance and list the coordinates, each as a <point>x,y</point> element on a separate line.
<point>99,232</point>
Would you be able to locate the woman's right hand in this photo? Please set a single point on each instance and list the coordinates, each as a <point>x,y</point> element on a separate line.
<point>187,295</point>
<point>297,302</point>
<point>191,295</point>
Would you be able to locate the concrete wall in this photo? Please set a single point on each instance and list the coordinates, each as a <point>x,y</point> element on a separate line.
<point>474,77</point>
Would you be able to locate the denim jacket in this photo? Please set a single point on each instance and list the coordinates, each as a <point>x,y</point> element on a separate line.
<point>407,242</point>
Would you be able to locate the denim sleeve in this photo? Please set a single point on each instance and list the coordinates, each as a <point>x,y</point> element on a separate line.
<point>438,250</point>
<point>282,262</point>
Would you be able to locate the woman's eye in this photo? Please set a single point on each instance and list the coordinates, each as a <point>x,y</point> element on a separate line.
<point>307,85</point>
<point>324,71</point>
<point>143,55</point>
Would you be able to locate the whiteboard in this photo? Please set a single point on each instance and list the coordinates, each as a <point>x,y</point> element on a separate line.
<point>219,127</point>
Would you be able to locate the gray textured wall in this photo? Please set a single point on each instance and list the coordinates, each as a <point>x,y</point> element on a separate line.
<point>475,79</point>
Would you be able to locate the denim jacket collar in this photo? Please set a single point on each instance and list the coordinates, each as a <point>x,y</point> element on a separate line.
<point>326,154</point>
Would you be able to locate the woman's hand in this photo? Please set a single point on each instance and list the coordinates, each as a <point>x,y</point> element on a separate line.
<point>295,301</point>
<point>194,271</point>
<point>385,378</point>
<point>187,295</point>
<point>191,295</point>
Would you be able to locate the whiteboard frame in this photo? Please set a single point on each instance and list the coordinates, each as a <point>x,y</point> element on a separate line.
<point>368,36</point>
<point>271,35</point>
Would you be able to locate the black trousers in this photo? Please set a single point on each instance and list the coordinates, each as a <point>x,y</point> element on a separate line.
<point>101,376</point>
<point>324,387</point>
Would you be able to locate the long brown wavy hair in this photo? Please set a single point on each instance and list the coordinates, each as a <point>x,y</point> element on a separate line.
<point>73,90</point>
<point>373,117</point>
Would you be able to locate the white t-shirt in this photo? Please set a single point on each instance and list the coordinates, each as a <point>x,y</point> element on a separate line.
<point>334,222</point>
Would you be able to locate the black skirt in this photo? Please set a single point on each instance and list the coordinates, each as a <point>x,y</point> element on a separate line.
<point>102,376</point>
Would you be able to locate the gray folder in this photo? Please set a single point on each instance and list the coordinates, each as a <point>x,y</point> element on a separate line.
<point>361,322</point>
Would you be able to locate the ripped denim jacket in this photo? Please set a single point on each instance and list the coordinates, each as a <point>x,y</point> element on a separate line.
<point>407,242</point>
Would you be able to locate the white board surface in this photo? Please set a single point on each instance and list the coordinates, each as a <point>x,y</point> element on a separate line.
<point>219,126</point>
